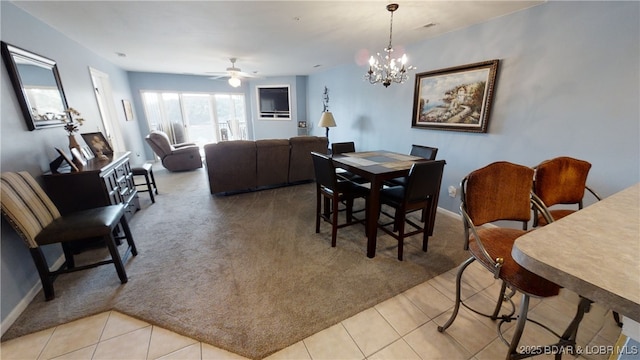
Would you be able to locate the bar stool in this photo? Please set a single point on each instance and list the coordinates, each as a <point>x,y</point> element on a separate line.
<point>145,170</point>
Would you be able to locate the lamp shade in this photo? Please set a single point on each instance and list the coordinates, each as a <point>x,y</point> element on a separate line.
<point>327,120</point>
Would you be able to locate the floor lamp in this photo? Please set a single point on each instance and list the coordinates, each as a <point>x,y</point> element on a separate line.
<point>327,121</point>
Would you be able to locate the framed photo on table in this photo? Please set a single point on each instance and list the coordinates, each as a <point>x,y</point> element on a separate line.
<point>457,98</point>
<point>97,143</point>
<point>55,164</point>
<point>78,158</point>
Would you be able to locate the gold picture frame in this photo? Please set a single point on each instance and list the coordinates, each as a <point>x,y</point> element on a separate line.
<point>456,98</point>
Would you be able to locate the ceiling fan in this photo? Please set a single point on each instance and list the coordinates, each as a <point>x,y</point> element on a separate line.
<point>234,74</point>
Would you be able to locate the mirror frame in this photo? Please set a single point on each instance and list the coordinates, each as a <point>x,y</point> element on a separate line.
<point>8,53</point>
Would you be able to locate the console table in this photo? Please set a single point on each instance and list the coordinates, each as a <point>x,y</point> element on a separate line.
<point>98,183</point>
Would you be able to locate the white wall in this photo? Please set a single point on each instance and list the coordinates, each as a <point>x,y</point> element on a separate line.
<point>568,84</point>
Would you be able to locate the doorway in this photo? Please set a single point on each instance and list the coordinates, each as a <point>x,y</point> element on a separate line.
<point>107,108</point>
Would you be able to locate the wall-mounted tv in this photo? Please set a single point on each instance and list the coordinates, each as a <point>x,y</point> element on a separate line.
<point>274,102</point>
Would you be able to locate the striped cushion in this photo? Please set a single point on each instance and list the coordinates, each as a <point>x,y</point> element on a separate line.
<point>26,205</point>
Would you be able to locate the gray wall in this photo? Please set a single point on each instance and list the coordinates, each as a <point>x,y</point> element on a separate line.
<point>21,149</point>
<point>568,84</point>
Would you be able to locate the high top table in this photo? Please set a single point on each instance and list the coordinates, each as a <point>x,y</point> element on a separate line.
<point>376,167</point>
<point>594,252</point>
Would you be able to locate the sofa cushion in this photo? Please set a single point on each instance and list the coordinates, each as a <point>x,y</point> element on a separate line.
<point>300,161</point>
<point>231,165</point>
<point>272,158</point>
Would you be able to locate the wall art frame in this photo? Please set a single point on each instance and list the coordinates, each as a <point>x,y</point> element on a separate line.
<point>128,110</point>
<point>97,143</point>
<point>456,99</point>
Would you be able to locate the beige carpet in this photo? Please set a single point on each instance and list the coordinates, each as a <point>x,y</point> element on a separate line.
<point>246,273</point>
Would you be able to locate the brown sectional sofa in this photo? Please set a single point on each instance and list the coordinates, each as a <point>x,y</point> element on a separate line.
<point>241,165</point>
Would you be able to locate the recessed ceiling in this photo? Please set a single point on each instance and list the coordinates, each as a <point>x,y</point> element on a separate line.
<point>269,38</point>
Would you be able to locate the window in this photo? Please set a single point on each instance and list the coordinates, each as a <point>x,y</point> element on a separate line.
<point>273,102</point>
<point>201,118</point>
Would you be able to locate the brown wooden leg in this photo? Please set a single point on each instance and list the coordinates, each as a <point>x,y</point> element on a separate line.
<point>117,261</point>
<point>318,209</point>
<point>43,270</point>
<point>334,221</point>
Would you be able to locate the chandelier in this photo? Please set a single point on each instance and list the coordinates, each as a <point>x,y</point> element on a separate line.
<point>384,68</point>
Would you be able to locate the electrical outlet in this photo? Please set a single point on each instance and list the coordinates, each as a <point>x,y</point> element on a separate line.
<point>452,191</point>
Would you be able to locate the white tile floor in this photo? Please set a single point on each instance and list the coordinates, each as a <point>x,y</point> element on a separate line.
<point>403,327</point>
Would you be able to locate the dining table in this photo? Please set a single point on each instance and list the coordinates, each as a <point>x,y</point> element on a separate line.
<point>594,252</point>
<point>376,167</point>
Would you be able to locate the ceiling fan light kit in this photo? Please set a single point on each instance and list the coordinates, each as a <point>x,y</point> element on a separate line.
<point>234,74</point>
<point>234,81</point>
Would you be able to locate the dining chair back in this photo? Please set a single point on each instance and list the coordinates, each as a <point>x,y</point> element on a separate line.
<point>343,147</point>
<point>426,152</point>
<point>38,222</point>
<point>420,193</point>
<point>334,190</point>
<point>346,147</point>
<point>561,181</point>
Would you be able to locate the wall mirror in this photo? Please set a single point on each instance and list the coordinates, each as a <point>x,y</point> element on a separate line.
<point>38,87</point>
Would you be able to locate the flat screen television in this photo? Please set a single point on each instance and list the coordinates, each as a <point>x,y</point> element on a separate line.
<point>274,102</point>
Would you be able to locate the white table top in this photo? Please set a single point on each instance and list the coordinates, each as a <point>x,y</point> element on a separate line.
<point>594,252</point>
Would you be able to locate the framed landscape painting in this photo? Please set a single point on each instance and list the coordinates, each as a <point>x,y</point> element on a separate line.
<point>457,98</point>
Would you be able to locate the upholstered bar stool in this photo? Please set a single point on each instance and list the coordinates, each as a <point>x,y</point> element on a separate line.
<point>146,170</point>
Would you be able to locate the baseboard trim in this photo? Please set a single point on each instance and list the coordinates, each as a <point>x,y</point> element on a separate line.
<point>26,300</point>
<point>449,213</point>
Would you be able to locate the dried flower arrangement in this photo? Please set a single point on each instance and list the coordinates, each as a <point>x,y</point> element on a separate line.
<point>72,125</point>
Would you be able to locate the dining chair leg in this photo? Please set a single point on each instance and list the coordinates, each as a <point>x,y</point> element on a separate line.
<point>456,308</point>
<point>519,329</point>
<point>43,270</point>
<point>115,256</point>
<point>425,239</point>
<point>70,261</point>
<point>501,299</point>
<point>327,207</point>
<point>127,232</point>
<point>400,237</point>
<point>334,221</point>
<point>318,210</point>
<point>349,204</point>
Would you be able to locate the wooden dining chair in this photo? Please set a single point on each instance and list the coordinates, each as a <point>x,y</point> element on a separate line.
<point>502,191</point>
<point>38,222</point>
<point>561,184</point>
<point>334,190</point>
<point>420,192</point>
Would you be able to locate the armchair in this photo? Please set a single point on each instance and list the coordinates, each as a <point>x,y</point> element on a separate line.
<point>176,157</point>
